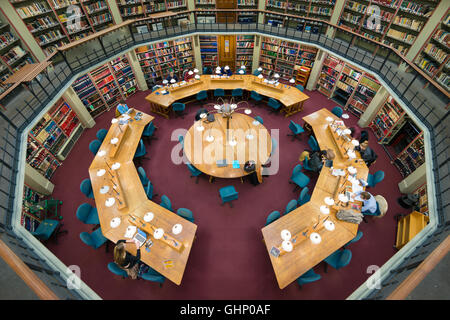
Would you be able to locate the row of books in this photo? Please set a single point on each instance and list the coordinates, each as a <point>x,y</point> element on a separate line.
<point>32,10</point>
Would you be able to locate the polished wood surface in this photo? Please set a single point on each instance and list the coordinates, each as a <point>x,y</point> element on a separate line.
<point>305,255</point>
<point>290,97</point>
<point>135,202</point>
<point>26,274</point>
<point>204,155</point>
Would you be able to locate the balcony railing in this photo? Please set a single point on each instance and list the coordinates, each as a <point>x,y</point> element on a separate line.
<point>425,101</point>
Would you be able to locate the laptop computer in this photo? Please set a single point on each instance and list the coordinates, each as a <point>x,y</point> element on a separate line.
<point>140,237</point>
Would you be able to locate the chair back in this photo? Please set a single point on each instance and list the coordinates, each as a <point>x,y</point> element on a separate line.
<point>378,177</point>
<point>101,134</point>
<point>94,146</point>
<point>194,171</point>
<point>143,176</point>
<point>300,87</point>
<point>165,202</point>
<point>259,119</point>
<point>291,206</point>
<point>297,169</point>
<point>149,190</point>
<point>337,111</point>
<point>344,258</point>
<point>186,214</point>
<point>140,151</point>
<point>312,142</point>
<point>237,92</point>
<point>292,126</point>
<point>86,188</point>
<point>178,106</point>
<point>83,212</point>
<point>274,215</point>
<point>302,199</point>
<point>114,268</point>
<point>255,95</point>
<point>382,204</point>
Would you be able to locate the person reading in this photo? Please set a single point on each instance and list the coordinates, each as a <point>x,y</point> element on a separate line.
<point>171,76</point>
<point>125,260</point>
<point>367,154</point>
<point>122,108</point>
<point>318,159</point>
<point>369,203</point>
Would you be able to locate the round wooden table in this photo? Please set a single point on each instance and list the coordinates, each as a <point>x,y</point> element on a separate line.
<point>206,143</point>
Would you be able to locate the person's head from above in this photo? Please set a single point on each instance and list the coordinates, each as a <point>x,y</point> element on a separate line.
<point>365,195</point>
<point>329,154</point>
<point>122,102</point>
<point>119,253</point>
<point>364,145</point>
<point>352,133</point>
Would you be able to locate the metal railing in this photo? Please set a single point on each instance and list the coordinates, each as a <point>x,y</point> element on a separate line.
<point>426,105</point>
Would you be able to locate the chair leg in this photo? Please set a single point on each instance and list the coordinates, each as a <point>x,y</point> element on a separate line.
<point>325,269</point>
<point>231,204</point>
<point>196,180</point>
<point>296,188</point>
<point>107,246</point>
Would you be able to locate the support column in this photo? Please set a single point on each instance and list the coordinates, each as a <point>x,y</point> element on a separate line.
<point>373,107</point>
<point>138,73</point>
<point>16,23</point>
<point>337,10</point>
<point>315,71</point>
<point>256,53</point>
<point>115,12</point>
<point>417,178</point>
<point>191,6</point>
<point>197,54</point>
<point>37,182</point>
<point>79,108</point>
<point>261,6</point>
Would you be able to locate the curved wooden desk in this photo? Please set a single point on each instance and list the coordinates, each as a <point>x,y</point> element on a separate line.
<point>204,155</point>
<point>291,98</point>
<point>305,255</point>
<point>133,200</point>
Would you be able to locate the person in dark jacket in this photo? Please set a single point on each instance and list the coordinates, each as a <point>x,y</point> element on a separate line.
<point>318,158</point>
<point>125,260</point>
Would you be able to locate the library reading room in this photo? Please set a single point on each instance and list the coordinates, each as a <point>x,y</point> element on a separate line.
<point>224,149</point>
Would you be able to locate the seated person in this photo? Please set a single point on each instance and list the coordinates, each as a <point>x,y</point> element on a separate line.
<point>189,75</point>
<point>199,112</point>
<point>171,76</point>
<point>369,203</point>
<point>127,261</point>
<point>364,136</point>
<point>122,108</point>
<point>318,158</point>
<point>367,154</point>
<point>226,71</point>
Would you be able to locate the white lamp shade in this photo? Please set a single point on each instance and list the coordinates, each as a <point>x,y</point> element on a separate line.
<point>165,81</point>
<point>190,73</point>
<point>260,69</point>
<point>292,81</point>
<point>227,68</point>
<point>352,170</point>
<point>260,76</point>
<point>355,143</point>
<point>287,246</point>
<point>196,70</point>
<point>233,106</point>
<point>324,210</point>
<point>172,80</point>
<point>209,138</point>
<point>351,154</point>
<point>345,116</point>
<point>315,238</point>
<point>101,153</point>
<point>149,216</point>
<point>115,222</point>
<point>243,67</point>
<point>115,166</point>
<point>329,225</point>
<point>218,68</point>
<point>218,71</point>
<point>329,119</point>
<point>158,234</point>
<point>343,198</point>
<point>247,111</point>
<point>177,228</point>
<point>329,201</point>
<point>101,172</point>
<point>114,140</point>
<point>202,115</point>
<point>200,128</point>
<point>109,202</point>
<point>241,71</point>
<point>285,234</point>
<point>276,75</point>
<point>197,76</point>
<point>347,131</point>
<point>104,189</point>
<point>114,120</point>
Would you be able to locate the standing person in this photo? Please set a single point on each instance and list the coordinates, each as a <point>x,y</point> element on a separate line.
<point>125,260</point>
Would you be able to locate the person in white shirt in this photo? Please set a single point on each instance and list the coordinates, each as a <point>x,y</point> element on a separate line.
<point>369,203</point>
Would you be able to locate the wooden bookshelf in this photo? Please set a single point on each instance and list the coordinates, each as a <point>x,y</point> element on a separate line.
<point>244,51</point>
<point>329,75</point>
<point>433,58</point>
<point>365,91</point>
<point>388,121</point>
<point>12,54</point>
<point>412,156</point>
<point>400,20</point>
<point>29,219</point>
<point>318,9</point>
<point>409,226</point>
<point>209,51</point>
<point>422,205</point>
<point>157,59</point>
<point>124,76</point>
<point>247,17</point>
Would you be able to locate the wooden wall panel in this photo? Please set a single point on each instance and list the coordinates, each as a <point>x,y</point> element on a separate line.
<point>227,51</point>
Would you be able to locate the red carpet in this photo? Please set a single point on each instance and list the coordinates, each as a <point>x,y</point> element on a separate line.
<point>228,259</point>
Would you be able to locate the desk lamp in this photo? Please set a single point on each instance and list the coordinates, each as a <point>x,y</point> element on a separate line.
<point>324,209</point>
<point>329,225</point>
<point>177,228</point>
<point>292,82</point>
<point>260,76</point>
<point>172,81</point>
<point>287,246</point>
<point>260,69</point>
<point>165,82</point>
<point>241,71</point>
<point>195,70</point>
<point>197,77</point>
<point>286,235</point>
<point>276,76</point>
<point>343,199</point>
<point>315,238</point>
<point>345,116</point>
<point>243,67</point>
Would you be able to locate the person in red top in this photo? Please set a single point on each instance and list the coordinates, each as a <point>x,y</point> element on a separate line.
<point>189,75</point>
